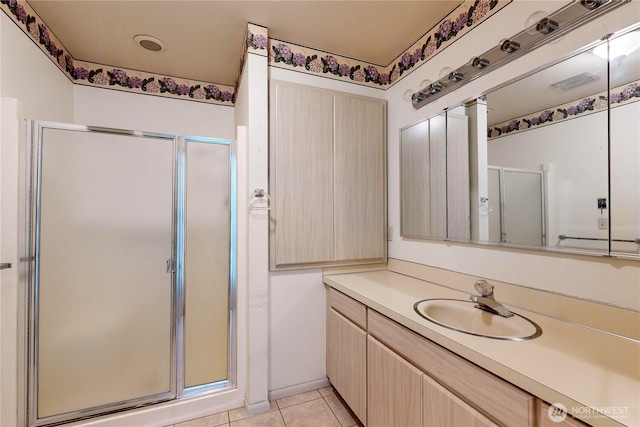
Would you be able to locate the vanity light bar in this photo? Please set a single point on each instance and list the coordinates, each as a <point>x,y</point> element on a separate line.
<point>544,31</point>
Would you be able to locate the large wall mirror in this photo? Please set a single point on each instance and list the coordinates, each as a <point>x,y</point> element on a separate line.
<point>553,160</point>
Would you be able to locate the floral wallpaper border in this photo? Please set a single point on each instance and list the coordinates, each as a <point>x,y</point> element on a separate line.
<point>98,75</point>
<point>463,19</point>
<point>255,41</point>
<point>620,95</point>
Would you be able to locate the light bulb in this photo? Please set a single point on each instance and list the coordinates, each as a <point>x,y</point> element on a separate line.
<point>445,72</point>
<point>407,95</point>
<point>533,19</point>
<point>425,84</point>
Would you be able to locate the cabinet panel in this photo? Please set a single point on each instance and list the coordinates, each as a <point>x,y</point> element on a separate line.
<point>505,402</point>
<point>394,389</point>
<point>360,195</point>
<point>443,408</point>
<point>347,362</point>
<point>348,307</point>
<point>302,191</point>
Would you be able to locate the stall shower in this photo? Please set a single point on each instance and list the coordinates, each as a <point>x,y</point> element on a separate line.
<point>130,284</point>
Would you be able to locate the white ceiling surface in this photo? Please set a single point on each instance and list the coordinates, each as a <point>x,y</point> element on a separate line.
<point>204,38</point>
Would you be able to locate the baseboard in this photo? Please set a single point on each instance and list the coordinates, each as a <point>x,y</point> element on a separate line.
<point>257,408</point>
<point>298,388</point>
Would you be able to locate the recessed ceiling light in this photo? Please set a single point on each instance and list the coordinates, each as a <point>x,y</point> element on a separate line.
<point>150,43</point>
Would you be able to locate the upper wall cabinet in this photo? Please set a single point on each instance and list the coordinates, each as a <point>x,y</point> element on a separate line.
<point>327,177</point>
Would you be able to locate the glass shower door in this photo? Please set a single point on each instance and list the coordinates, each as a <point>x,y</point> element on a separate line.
<point>103,283</point>
<point>207,262</point>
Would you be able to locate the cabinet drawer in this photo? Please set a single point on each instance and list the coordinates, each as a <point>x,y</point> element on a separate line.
<point>348,307</point>
<point>496,398</point>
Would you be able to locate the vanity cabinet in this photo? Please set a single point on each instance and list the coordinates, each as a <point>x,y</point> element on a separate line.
<point>410,381</point>
<point>496,399</point>
<point>327,177</point>
<point>347,350</point>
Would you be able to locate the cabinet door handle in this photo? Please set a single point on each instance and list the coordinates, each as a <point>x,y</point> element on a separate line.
<point>5,265</point>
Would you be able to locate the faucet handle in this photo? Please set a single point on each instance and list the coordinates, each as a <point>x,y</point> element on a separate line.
<point>484,288</point>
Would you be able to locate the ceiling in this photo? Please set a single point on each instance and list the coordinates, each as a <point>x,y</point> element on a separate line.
<point>536,92</point>
<point>204,38</point>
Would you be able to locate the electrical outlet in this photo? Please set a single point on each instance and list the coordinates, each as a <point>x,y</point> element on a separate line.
<point>389,233</point>
<point>602,223</point>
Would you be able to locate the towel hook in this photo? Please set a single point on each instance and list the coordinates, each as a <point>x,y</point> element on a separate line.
<point>259,193</point>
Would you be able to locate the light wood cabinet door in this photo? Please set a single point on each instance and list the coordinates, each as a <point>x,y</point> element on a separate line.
<point>347,362</point>
<point>301,152</point>
<point>443,408</point>
<point>394,388</point>
<point>328,178</point>
<point>360,178</point>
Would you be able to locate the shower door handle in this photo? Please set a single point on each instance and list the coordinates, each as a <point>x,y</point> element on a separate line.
<point>5,265</point>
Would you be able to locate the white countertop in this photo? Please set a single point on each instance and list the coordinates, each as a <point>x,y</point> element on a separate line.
<point>582,368</point>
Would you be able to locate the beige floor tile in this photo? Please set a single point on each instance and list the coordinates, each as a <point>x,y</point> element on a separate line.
<point>327,391</point>
<point>267,419</point>
<point>314,413</point>
<point>298,398</point>
<point>221,419</point>
<point>341,411</point>
<point>237,414</point>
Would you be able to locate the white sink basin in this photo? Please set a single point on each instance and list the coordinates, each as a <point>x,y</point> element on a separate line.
<point>463,316</point>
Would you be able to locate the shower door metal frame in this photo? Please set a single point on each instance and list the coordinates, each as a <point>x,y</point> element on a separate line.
<point>30,228</point>
<point>503,201</point>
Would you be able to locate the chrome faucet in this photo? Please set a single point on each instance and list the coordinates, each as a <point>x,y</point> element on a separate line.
<point>486,301</point>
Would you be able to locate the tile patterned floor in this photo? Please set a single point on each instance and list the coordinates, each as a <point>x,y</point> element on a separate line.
<point>317,408</point>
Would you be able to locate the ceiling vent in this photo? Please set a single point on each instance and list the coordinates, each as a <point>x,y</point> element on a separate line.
<point>150,43</point>
<point>576,81</point>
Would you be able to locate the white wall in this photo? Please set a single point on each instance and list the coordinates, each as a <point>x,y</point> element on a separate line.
<point>613,281</point>
<point>29,76</point>
<point>124,110</point>
<point>297,314</point>
<point>252,114</point>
